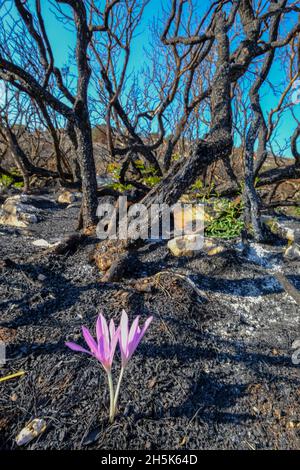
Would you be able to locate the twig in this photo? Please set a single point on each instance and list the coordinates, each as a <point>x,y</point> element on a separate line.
<point>12,376</point>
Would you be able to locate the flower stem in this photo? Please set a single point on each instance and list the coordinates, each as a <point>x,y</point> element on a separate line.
<point>111,394</point>
<point>118,388</point>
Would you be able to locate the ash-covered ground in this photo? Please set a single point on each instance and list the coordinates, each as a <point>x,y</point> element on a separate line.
<point>213,371</point>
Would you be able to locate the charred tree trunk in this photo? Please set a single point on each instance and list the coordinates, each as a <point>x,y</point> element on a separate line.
<point>294,146</point>
<point>257,129</point>
<point>74,161</point>
<point>82,123</point>
<point>218,143</point>
<point>86,163</point>
<point>21,160</point>
<point>251,199</point>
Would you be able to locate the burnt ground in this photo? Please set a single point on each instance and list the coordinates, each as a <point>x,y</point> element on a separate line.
<point>213,372</point>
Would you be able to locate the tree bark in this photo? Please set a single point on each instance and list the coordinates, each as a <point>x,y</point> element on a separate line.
<point>251,198</point>
<point>86,162</point>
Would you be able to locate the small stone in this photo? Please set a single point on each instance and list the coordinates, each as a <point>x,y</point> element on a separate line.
<point>31,431</point>
<point>296,344</point>
<point>188,245</point>
<point>292,252</point>
<point>216,250</point>
<point>20,211</point>
<point>42,278</point>
<point>12,220</point>
<point>41,243</point>
<point>14,397</point>
<point>152,382</point>
<point>277,414</point>
<point>68,197</point>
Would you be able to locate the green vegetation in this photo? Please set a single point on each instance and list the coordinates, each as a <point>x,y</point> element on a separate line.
<point>204,194</point>
<point>114,170</point>
<point>8,181</point>
<point>148,176</point>
<point>227,221</point>
<point>176,157</point>
<point>224,220</point>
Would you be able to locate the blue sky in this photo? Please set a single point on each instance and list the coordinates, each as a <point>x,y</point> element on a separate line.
<point>63,41</point>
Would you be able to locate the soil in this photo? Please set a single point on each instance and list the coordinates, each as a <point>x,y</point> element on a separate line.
<point>214,371</point>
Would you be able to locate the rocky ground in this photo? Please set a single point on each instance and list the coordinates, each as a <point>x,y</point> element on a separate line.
<point>215,370</point>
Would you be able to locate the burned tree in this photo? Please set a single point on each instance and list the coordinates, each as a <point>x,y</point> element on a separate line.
<point>259,37</point>
<point>205,53</point>
<point>193,54</point>
<point>27,131</point>
<point>20,67</point>
<point>216,144</point>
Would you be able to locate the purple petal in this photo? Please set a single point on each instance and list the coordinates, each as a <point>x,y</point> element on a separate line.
<point>133,329</point>
<point>99,331</point>
<point>105,335</point>
<point>132,347</point>
<point>112,329</point>
<point>138,337</point>
<point>76,347</point>
<point>113,344</point>
<point>89,340</point>
<point>146,325</point>
<point>124,334</point>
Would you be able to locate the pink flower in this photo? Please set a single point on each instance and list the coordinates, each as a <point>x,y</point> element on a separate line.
<point>104,348</point>
<point>130,339</point>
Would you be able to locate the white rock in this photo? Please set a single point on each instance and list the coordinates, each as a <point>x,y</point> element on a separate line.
<point>31,431</point>
<point>292,252</point>
<point>16,211</point>
<point>69,197</point>
<point>296,344</point>
<point>41,243</point>
<point>189,245</point>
